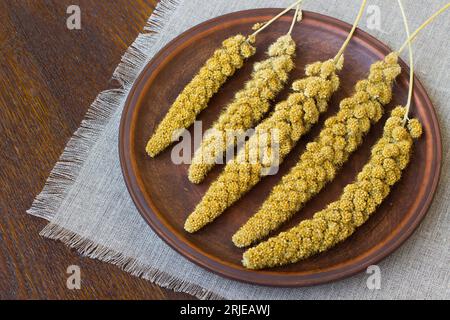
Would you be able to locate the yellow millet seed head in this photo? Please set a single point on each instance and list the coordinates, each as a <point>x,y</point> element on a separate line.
<point>339,129</point>
<point>376,75</point>
<point>285,45</point>
<point>399,134</point>
<point>340,63</point>
<point>392,58</point>
<point>415,128</point>
<point>391,177</point>
<point>360,97</point>
<point>392,123</point>
<point>364,124</point>
<point>398,111</point>
<point>257,26</point>
<point>343,133</point>
<point>339,220</point>
<point>390,164</point>
<point>197,93</point>
<point>365,185</point>
<point>313,69</point>
<point>361,85</point>
<point>249,106</point>
<point>403,161</point>
<point>404,145</point>
<point>327,68</point>
<point>391,150</point>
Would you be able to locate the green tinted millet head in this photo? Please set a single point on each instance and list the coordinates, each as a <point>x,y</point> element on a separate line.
<point>292,118</point>
<point>341,136</point>
<point>197,93</point>
<point>248,107</point>
<point>390,156</point>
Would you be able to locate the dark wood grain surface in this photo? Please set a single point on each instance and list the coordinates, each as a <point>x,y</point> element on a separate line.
<point>49,75</point>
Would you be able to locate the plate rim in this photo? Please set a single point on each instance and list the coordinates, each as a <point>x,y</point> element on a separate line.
<point>393,242</point>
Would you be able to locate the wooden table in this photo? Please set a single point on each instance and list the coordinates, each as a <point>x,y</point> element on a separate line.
<point>49,75</point>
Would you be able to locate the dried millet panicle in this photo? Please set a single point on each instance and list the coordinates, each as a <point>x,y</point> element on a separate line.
<point>341,136</point>
<point>248,107</point>
<point>339,220</point>
<point>292,118</point>
<point>196,95</point>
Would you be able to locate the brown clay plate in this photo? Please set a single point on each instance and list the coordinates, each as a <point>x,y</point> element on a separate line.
<point>164,196</point>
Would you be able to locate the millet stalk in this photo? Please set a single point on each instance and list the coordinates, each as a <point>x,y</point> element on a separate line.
<point>341,136</point>
<point>339,220</point>
<point>248,107</point>
<point>290,120</point>
<point>196,95</point>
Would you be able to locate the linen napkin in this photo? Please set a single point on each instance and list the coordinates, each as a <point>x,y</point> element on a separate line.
<point>88,207</point>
